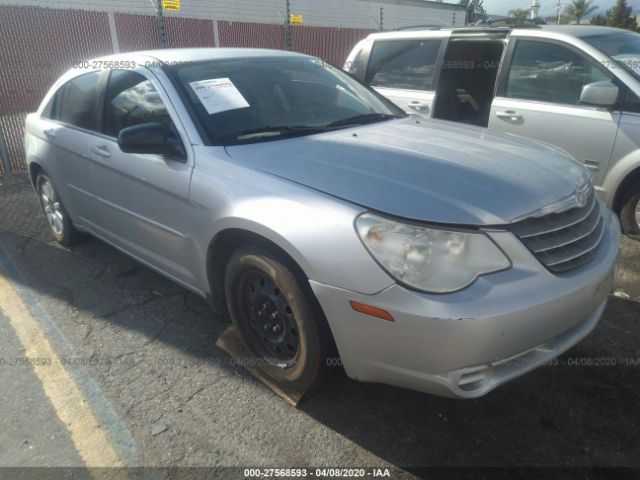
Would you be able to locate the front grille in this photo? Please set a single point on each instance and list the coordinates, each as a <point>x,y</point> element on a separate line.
<point>564,241</point>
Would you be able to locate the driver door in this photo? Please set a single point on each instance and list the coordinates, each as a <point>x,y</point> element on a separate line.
<point>146,209</point>
<point>539,97</point>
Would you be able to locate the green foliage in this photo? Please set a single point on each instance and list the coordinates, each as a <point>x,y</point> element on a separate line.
<point>619,17</point>
<point>519,14</point>
<point>473,8</point>
<point>599,20</point>
<point>579,9</point>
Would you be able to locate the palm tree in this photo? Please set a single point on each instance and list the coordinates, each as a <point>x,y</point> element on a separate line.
<point>474,9</point>
<point>578,9</point>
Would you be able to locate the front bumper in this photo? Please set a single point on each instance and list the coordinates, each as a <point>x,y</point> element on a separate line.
<point>467,343</point>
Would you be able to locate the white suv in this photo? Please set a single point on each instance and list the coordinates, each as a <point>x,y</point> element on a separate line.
<point>576,87</point>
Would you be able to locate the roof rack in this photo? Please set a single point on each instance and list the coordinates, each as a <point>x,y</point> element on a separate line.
<point>420,27</point>
<point>512,22</point>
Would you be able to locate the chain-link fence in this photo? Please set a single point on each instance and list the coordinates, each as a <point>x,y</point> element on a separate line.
<point>41,39</point>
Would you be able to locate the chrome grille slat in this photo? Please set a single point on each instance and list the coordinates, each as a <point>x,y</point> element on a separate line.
<point>594,244</point>
<point>590,205</point>
<point>569,235</point>
<point>564,241</point>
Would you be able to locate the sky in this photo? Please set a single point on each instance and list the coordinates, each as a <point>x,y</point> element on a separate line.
<point>547,7</point>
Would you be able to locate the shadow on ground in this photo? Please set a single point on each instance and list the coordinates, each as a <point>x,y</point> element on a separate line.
<point>582,411</point>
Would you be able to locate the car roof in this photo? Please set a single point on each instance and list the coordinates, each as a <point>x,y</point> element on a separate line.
<point>581,30</point>
<point>570,30</point>
<point>177,55</point>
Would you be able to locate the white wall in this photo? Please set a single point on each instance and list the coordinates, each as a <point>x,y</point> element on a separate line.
<point>366,14</point>
<point>129,6</point>
<point>335,13</point>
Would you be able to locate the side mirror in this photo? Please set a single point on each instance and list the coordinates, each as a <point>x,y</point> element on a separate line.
<point>601,94</point>
<point>150,138</point>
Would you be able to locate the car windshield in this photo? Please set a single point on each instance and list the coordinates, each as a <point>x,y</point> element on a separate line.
<point>247,100</point>
<point>623,47</point>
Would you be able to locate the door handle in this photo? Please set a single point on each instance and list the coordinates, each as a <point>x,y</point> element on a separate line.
<point>509,115</point>
<point>101,150</point>
<point>50,133</point>
<point>419,106</point>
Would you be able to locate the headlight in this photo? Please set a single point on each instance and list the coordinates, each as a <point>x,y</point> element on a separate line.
<point>429,259</point>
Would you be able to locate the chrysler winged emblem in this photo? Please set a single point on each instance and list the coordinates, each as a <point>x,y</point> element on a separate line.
<point>582,196</point>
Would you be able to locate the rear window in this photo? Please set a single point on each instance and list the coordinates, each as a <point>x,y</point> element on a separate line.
<point>403,64</point>
<point>76,101</point>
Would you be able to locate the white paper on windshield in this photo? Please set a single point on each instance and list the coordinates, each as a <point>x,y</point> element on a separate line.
<point>219,95</point>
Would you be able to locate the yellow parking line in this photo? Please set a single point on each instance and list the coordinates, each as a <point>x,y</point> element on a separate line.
<point>90,438</point>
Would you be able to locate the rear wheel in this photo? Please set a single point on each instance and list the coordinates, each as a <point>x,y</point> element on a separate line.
<point>276,317</point>
<point>54,211</point>
<point>630,213</point>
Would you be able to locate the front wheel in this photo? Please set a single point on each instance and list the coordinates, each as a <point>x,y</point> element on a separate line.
<point>276,317</point>
<point>54,211</point>
<point>630,214</point>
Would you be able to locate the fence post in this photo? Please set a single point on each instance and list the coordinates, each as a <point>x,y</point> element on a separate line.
<point>4,155</point>
<point>216,34</point>
<point>381,19</point>
<point>113,31</point>
<point>162,37</point>
<point>287,26</point>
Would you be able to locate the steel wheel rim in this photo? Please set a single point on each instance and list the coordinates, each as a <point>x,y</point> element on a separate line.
<point>271,320</point>
<point>52,208</point>
<point>638,214</point>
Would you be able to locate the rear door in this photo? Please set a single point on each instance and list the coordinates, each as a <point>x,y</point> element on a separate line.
<point>145,197</point>
<point>405,71</point>
<point>69,130</point>
<point>539,97</point>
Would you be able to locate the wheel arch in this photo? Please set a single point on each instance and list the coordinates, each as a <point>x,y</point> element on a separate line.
<point>219,252</point>
<point>622,192</point>
<point>222,246</point>
<point>34,170</point>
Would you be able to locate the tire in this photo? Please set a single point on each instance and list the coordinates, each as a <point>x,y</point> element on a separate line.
<point>630,213</point>
<point>278,319</point>
<point>55,213</point>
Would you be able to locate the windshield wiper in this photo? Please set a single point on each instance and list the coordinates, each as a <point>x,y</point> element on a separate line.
<point>255,134</point>
<point>362,119</point>
<point>284,130</point>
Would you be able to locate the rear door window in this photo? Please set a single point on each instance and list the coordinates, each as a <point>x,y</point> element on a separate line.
<point>404,64</point>
<point>76,102</point>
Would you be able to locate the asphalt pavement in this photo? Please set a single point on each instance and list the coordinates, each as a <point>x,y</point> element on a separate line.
<point>139,351</point>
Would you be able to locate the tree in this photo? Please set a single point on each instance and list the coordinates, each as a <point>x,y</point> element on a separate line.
<point>519,14</point>
<point>474,8</point>
<point>579,9</point>
<point>619,16</point>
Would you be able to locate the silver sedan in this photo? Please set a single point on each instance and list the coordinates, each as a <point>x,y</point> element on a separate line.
<point>332,228</point>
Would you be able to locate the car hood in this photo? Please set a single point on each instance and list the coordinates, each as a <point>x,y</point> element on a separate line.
<point>431,171</point>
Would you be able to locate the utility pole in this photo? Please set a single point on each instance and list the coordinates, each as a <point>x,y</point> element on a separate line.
<point>160,27</point>
<point>558,12</point>
<point>287,26</point>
